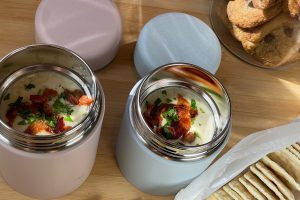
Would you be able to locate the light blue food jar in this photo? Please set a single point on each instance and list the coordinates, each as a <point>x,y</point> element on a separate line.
<point>154,164</point>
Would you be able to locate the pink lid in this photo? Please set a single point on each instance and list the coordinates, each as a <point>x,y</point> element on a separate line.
<point>90,28</point>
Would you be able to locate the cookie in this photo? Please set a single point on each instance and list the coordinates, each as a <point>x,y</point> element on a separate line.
<point>244,15</point>
<point>249,37</point>
<point>264,4</point>
<point>279,47</point>
<point>293,7</point>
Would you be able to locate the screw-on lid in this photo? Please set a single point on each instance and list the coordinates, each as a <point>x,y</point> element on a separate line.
<point>176,37</point>
<point>91,28</point>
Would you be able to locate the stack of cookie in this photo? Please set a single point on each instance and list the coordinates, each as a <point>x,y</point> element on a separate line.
<point>267,29</point>
<point>275,176</point>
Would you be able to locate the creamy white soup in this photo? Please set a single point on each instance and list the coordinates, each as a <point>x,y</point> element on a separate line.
<point>44,103</point>
<point>179,115</point>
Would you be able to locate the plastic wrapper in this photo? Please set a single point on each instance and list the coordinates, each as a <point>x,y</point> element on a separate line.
<point>248,151</point>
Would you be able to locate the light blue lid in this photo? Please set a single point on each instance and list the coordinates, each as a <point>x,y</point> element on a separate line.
<point>176,37</point>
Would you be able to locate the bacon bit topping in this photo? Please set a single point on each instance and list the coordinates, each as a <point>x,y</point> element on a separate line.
<point>73,96</point>
<point>67,128</point>
<point>183,101</point>
<point>153,114</point>
<point>37,99</point>
<point>178,119</point>
<point>47,109</point>
<point>189,137</point>
<point>60,126</point>
<point>49,93</point>
<point>37,127</point>
<point>193,113</point>
<point>84,100</point>
<point>39,115</point>
<point>44,98</point>
<point>11,115</point>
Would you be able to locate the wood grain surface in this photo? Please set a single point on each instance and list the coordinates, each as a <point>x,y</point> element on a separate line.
<point>260,98</point>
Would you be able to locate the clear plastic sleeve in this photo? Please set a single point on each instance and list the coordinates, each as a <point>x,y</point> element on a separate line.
<point>246,152</point>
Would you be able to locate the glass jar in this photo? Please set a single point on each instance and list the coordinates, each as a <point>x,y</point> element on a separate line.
<point>50,166</point>
<point>159,166</point>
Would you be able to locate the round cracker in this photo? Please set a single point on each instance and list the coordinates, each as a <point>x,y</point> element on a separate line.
<point>273,178</point>
<point>232,193</point>
<point>260,186</point>
<point>267,182</point>
<point>296,146</point>
<point>280,171</point>
<point>240,189</point>
<point>288,161</point>
<point>252,190</point>
<point>220,195</point>
<point>294,151</point>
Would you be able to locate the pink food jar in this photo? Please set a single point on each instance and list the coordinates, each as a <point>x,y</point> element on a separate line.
<point>50,166</point>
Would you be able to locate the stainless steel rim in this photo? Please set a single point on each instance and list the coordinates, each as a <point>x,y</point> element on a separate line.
<point>57,142</point>
<point>163,147</point>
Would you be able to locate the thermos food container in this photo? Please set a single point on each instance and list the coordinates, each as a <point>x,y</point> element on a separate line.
<point>155,164</point>
<point>50,166</point>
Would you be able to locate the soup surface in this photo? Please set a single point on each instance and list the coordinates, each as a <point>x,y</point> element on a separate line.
<point>44,103</point>
<point>179,115</point>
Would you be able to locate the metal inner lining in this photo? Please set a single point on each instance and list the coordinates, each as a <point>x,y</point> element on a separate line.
<point>56,142</point>
<point>162,146</point>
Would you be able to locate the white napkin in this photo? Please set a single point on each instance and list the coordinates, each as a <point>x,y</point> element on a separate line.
<point>248,151</point>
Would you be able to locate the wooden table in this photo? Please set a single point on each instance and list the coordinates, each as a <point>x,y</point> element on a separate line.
<point>260,98</point>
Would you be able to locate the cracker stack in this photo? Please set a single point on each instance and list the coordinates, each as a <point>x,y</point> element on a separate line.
<point>273,177</point>
<point>267,29</point>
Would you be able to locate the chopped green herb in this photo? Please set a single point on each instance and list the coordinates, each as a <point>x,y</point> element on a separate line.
<point>6,97</point>
<point>29,118</point>
<point>164,92</point>
<point>68,118</point>
<point>174,98</point>
<point>52,121</point>
<point>200,124</point>
<point>60,107</point>
<point>193,104</point>
<point>197,135</point>
<point>33,117</point>
<point>52,124</point>
<point>202,111</point>
<point>157,102</point>
<point>62,96</point>
<point>169,100</point>
<point>24,113</point>
<point>171,114</point>
<point>29,86</point>
<point>193,120</point>
<point>167,133</point>
<point>23,122</point>
<point>17,102</point>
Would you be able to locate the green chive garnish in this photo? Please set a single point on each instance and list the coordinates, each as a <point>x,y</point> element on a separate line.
<point>193,104</point>
<point>157,102</point>
<point>29,86</point>
<point>68,118</point>
<point>6,97</point>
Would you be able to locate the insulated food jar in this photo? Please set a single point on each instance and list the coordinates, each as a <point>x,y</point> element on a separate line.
<point>152,151</point>
<point>48,165</point>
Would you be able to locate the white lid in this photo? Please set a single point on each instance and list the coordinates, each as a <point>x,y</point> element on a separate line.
<point>91,28</point>
<point>176,37</point>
